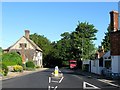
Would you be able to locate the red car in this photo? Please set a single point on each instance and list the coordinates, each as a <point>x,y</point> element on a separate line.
<point>72,64</point>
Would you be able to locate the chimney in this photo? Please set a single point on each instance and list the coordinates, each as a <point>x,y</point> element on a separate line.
<point>27,33</point>
<point>114,21</point>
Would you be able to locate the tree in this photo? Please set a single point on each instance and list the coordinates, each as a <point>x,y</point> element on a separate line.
<point>106,41</point>
<point>83,37</point>
<point>0,54</point>
<point>75,45</point>
<point>43,43</point>
<point>50,54</point>
<point>63,47</point>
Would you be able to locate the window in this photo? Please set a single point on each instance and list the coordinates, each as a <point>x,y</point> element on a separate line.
<point>108,64</point>
<point>20,45</point>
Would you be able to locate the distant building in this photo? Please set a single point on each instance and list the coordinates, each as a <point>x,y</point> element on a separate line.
<point>27,49</point>
<point>100,52</point>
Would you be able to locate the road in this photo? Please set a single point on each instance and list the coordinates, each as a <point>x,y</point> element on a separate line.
<point>40,79</point>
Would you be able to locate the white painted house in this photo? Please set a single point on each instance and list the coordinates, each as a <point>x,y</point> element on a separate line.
<point>27,49</point>
<point>109,61</point>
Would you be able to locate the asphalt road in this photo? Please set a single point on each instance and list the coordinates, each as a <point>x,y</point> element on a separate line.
<point>71,80</point>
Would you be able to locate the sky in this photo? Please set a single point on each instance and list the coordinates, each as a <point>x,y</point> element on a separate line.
<point>51,19</point>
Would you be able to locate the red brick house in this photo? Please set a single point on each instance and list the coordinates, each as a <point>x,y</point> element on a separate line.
<point>115,41</point>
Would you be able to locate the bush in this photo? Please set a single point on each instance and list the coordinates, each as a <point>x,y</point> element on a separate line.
<point>3,69</point>
<point>30,69</point>
<point>30,64</point>
<point>18,68</point>
<point>11,59</point>
<point>37,66</point>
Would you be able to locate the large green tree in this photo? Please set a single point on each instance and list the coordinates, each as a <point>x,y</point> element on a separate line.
<point>82,40</point>
<point>106,41</point>
<point>50,54</point>
<point>42,42</point>
<point>63,47</point>
<point>75,45</point>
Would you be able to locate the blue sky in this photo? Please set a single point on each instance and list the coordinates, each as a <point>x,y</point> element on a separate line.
<point>52,19</point>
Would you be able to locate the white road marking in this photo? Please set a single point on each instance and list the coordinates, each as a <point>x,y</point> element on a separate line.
<point>92,86</point>
<point>108,82</point>
<point>55,81</point>
<point>55,87</point>
<point>86,83</point>
<point>49,79</point>
<point>49,87</point>
<point>61,80</point>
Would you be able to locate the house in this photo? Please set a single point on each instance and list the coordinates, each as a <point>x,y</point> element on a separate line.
<point>115,41</point>
<point>97,64</point>
<point>27,49</point>
<point>111,59</point>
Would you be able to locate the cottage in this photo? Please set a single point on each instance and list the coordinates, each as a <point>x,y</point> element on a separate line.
<point>27,49</point>
<point>115,42</point>
<point>111,59</point>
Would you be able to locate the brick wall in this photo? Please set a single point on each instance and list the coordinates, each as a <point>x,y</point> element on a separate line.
<point>115,43</point>
<point>114,34</point>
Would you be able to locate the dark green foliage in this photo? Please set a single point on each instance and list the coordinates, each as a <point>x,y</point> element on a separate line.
<point>43,43</point>
<point>82,41</point>
<point>30,64</point>
<point>4,69</point>
<point>11,58</point>
<point>0,54</point>
<point>106,41</point>
<point>75,45</point>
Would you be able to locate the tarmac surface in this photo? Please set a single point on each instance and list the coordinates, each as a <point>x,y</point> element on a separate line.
<point>18,74</point>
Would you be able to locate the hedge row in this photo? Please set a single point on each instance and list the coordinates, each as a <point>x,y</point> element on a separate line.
<point>11,59</point>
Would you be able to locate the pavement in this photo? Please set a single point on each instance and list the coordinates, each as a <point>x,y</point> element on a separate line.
<point>18,74</point>
<point>98,77</point>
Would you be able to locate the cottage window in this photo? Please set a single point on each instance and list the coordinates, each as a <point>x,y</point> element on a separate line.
<point>20,45</point>
<point>108,64</point>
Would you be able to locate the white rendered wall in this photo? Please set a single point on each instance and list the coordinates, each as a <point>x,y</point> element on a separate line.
<point>115,64</point>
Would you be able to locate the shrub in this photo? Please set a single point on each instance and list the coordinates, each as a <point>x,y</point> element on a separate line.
<point>3,69</point>
<point>37,66</point>
<point>18,68</point>
<point>30,64</point>
<point>30,69</point>
<point>11,59</point>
